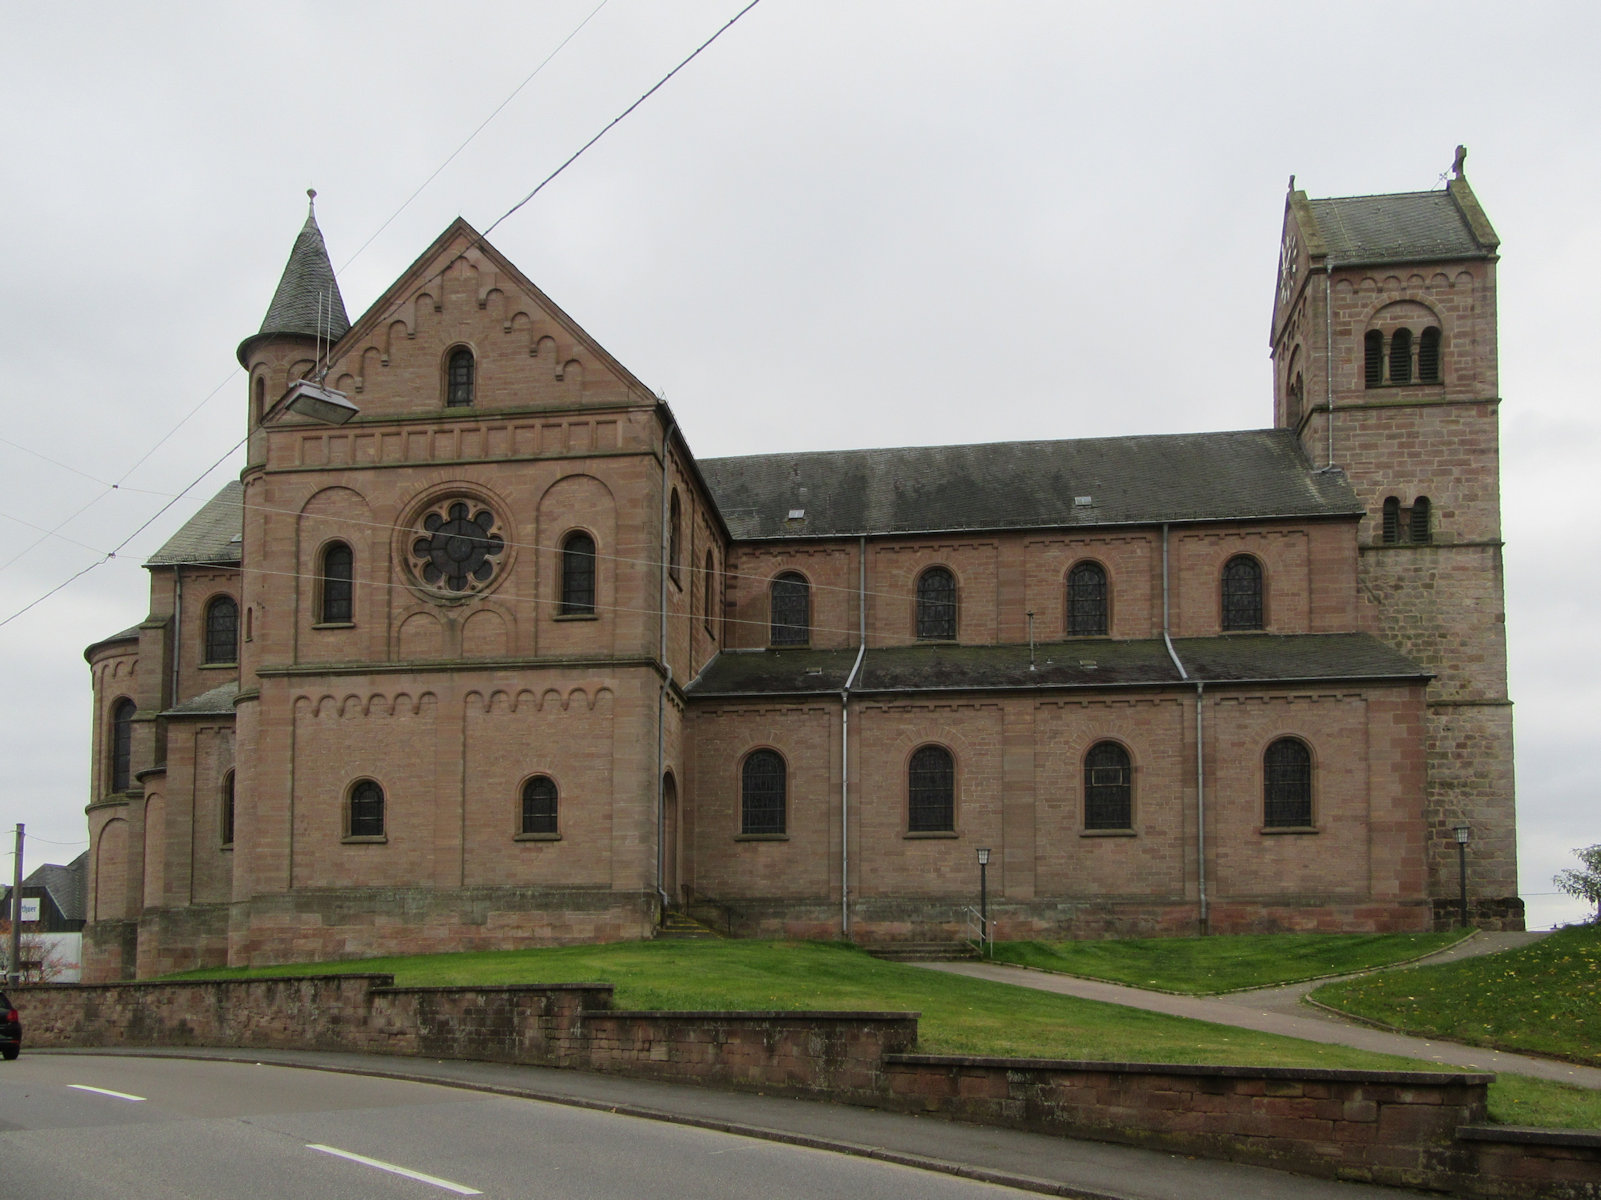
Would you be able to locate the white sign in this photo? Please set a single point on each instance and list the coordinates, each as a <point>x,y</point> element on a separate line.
<point>30,908</point>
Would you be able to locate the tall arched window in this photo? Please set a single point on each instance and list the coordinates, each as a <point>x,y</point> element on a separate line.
<point>675,520</point>
<point>1429,355</point>
<point>1242,593</point>
<point>577,575</point>
<point>1108,787</point>
<point>1086,600</point>
<point>931,791</point>
<point>539,805</point>
<point>762,794</point>
<point>227,809</point>
<point>122,745</point>
<point>1287,785</point>
<point>790,607</point>
<point>1401,356</point>
<point>1373,358</point>
<point>936,605</point>
<point>1390,530</point>
<point>1420,531</point>
<point>709,593</point>
<point>366,810</point>
<point>459,378</point>
<point>336,605</point>
<point>222,631</point>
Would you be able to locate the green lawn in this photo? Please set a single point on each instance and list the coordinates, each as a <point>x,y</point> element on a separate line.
<point>1544,997</point>
<point>959,1015</point>
<point>1225,963</point>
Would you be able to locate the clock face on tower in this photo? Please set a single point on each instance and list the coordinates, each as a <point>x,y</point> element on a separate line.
<point>1288,256</point>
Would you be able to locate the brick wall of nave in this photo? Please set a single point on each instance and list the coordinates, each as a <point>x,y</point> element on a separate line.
<point>1020,771</point>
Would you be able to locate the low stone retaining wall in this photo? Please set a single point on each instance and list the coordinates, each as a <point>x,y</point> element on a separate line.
<point>1414,1129</point>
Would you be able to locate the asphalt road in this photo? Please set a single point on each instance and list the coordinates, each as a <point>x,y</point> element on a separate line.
<point>91,1127</point>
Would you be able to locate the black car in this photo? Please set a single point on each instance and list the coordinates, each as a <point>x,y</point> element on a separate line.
<point>10,1029</point>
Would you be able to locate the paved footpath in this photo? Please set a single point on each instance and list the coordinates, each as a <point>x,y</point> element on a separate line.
<point>1281,1010</point>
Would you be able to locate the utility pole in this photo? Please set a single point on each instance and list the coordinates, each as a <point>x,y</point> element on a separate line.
<point>14,963</point>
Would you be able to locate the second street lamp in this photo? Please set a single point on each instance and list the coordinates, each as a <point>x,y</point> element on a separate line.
<point>984,900</point>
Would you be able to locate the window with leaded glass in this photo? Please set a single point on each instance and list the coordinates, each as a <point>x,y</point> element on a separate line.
<point>1108,787</point>
<point>1287,785</point>
<point>338,585</point>
<point>459,379</point>
<point>791,610</point>
<point>936,605</point>
<point>1242,593</point>
<point>539,805</point>
<point>675,521</point>
<point>931,791</point>
<point>709,593</point>
<point>762,793</point>
<point>122,745</point>
<point>1419,530</point>
<point>366,809</point>
<point>577,575</point>
<point>222,631</point>
<point>1086,600</point>
<point>227,809</point>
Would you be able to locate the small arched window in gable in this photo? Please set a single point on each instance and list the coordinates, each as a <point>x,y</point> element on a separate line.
<point>222,632</point>
<point>1390,531</point>
<point>790,609</point>
<point>1242,593</point>
<point>366,810</point>
<point>763,797</point>
<point>675,522</point>
<point>539,806</point>
<point>1401,356</point>
<point>1287,785</point>
<point>1373,358</point>
<point>1086,600</point>
<point>1108,787</point>
<point>459,378</point>
<point>1429,356</point>
<point>931,791</point>
<point>122,745</point>
<point>227,809</point>
<point>578,575</point>
<point>336,605</point>
<point>1420,532</point>
<point>936,605</point>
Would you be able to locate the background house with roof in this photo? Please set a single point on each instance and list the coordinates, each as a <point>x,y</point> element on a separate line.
<point>498,661</point>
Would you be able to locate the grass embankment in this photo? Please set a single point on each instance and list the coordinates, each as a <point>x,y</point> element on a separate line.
<point>1544,997</point>
<point>959,1015</point>
<point>1224,963</point>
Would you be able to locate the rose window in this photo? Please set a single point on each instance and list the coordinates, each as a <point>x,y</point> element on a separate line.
<point>457,548</point>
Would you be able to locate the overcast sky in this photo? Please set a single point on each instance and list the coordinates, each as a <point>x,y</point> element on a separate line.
<point>848,223</point>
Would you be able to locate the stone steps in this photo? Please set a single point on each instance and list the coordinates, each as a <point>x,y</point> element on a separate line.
<point>677,926</point>
<point>924,951</point>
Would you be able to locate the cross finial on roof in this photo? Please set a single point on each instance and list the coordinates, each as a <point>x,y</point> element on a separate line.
<point>1461,157</point>
<point>1292,183</point>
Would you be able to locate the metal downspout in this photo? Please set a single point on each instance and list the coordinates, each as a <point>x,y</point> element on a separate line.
<point>667,678</point>
<point>1200,752</point>
<point>845,752</point>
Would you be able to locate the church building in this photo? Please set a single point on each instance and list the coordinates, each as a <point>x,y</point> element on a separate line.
<point>476,654</point>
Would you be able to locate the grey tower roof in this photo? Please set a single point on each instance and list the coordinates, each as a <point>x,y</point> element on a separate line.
<point>1406,227</point>
<point>307,301</point>
<point>1260,473</point>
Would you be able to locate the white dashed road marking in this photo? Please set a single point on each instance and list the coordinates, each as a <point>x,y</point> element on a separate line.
<point>394,1170</point>
<point>84,1087</point>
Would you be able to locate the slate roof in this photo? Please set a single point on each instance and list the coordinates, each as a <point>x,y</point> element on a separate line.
<point>211,535</point>
<point>1405,227</point>
<point>1083,663</point>
<point>1259,473</point>
<point>218,700</point>
<point>67,886</point>
<point>307,300</point>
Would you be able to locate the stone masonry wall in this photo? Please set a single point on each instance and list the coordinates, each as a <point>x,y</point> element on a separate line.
<point>1412,1129</point>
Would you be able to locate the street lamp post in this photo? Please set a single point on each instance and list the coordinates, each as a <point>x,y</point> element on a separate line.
<point>1462,832</point>
<point>984,899</point>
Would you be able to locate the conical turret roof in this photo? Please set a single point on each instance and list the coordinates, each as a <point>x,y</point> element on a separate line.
<point>307,301</point>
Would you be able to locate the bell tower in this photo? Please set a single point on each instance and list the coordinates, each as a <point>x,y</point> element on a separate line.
<point>1384,362</point>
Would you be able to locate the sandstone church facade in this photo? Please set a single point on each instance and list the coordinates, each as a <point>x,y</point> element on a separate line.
<point>481,656</point>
